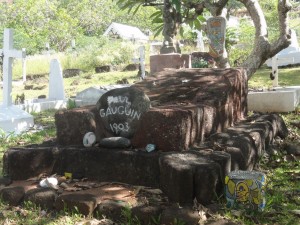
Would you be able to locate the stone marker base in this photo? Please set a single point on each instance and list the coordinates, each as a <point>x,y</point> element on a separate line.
<point>284,99</point>
<point>174,60</point>
<point>183,176</point>
<point>39,105</point>
<point>14,120</point>
<point>189,175</point>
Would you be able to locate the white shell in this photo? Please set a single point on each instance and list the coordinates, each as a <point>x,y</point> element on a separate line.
<point>89,139</point>
<point>48,182</point>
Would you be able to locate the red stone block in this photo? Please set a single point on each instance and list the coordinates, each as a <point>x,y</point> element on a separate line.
<point>176,61</point>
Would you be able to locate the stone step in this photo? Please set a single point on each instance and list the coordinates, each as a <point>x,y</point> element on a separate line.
<point>197,173</point>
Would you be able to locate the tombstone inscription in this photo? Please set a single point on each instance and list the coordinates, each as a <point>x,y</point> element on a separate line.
<point>121,109</point>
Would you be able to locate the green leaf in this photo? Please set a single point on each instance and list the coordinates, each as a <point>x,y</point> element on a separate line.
<point>159,30</point>
<point>127,5</point>
<point>137,8</point>
<point>181,31</point>
<point>201,18</point>
<point>158,27</point>
<point>157,20</point>
<point>177,5</point>
<point>197,24</point>
<point>157,13</point>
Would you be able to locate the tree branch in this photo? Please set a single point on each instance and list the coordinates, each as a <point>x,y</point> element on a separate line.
<point>284,39</point>
<point>216,7</point>
<point>262,48</point>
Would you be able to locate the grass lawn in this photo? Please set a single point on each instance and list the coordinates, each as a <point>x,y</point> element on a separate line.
<point>286,77</point>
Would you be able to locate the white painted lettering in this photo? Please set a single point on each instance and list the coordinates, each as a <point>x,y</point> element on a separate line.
<point>137,115</point>
<point>127,111</point>
<point>102,113</point>
<point>108,111</point>
<point>122,111</point>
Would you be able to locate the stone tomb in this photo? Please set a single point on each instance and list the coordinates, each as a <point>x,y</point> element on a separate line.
<point>189,122</point>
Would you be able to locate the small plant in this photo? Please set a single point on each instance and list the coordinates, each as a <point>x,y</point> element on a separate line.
<point>128,217</point>
<point>71,104</point>
<point>199,63</point>
<point>156,220</point>
<point>178,222</point>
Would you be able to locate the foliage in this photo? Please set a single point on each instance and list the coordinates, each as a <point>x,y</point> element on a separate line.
<point>245,36</point>
<point>129,219</point>
<point>31,214</point>
<point>199,63</point>
<point>57,22</point>
<point>189,15</point>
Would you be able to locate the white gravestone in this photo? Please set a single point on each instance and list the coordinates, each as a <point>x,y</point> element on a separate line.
<point>12,119</point>
<point>200,43</point>
<point>56,83</point>
<point>141,61</point>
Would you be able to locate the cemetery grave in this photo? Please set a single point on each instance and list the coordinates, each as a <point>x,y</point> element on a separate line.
<point>186,114</point>
<point>278,98</point>
<point>12,119</point>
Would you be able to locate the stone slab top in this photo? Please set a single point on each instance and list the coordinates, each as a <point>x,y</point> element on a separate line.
<point>191,86</point>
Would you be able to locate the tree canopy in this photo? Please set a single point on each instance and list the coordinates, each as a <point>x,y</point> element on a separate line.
<point>270,19</point>
<point>57,22</point>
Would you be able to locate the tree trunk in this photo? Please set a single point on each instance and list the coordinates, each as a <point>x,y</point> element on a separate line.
<point>172,21</point>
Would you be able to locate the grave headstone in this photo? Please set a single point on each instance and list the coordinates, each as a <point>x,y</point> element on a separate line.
<point>216,28</point>
<point>56,84</point>
<point>200,43</point>
<point>121,110</point>
<point>12,119</point>
<point>141,61</point>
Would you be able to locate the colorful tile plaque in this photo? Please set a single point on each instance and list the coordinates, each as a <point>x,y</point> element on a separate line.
<point>245,189</point>
<point>216,28</point>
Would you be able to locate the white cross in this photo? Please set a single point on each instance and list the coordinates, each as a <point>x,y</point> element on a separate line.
<point>141,61</point>
<point>8,54</point>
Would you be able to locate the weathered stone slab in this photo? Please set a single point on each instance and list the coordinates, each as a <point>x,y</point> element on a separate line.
<point>121,110</point>
<point>241,147</point>
<point>202,101</point>
<point>182,176</point>
<point>171,129</point>
<point>147,213</point>
<point>83,203</point>
<point>43,197</point>
<point>12,195</point>
<point>111,209</point>
<point>185,215</point>
<point>23,163</point>
<point>176,61</point>
<point>130,166</point>
<point>72,125</point>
